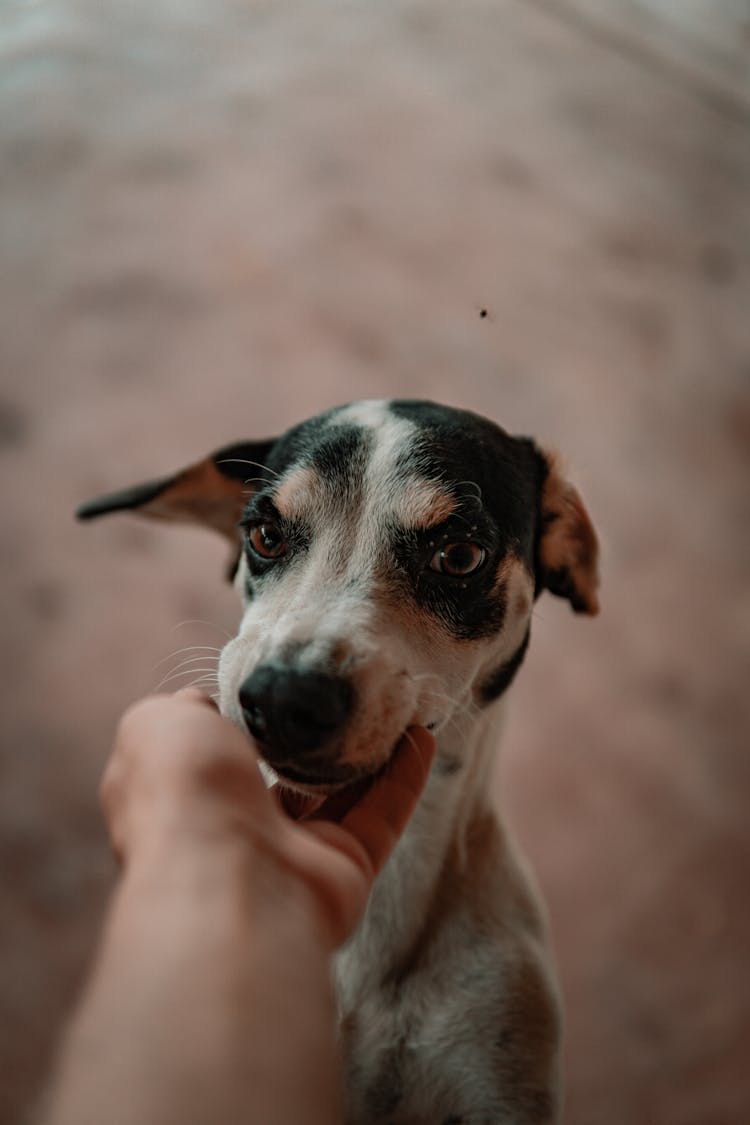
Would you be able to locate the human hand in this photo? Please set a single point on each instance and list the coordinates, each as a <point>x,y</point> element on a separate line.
<point>211,995</point>
<point>183,781</point>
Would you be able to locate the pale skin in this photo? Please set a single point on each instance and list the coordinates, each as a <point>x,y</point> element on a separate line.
<point>211,998</point>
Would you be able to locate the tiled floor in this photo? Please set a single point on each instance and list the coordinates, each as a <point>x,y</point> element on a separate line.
<point>219,218</point>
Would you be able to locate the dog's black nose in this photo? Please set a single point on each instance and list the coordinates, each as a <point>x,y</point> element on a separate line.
<point>293,713</point>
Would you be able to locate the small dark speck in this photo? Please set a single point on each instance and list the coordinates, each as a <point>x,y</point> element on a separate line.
<point>483,313</point>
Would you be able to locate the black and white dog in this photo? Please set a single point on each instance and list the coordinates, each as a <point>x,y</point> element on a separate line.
<point>389,555</point>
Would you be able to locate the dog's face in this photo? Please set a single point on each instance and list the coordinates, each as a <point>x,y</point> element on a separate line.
<point>390,555</point>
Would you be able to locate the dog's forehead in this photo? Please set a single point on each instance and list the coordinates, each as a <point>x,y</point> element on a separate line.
<point>339,443</point>
<point>360,456</point>
<point>417,457</point>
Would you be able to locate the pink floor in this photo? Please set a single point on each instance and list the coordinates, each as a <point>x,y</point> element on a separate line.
<point>220,218</point>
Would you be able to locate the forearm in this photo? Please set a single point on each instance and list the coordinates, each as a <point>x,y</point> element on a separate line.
<point>210,1002</point>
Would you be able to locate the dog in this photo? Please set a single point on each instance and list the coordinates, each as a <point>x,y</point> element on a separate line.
<point>389,556</point>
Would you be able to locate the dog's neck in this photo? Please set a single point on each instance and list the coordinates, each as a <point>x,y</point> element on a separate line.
<point>456,796</point>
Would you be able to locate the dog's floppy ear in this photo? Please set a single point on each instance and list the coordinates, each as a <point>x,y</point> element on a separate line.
<point>212,492</point>
<point>567,549</point>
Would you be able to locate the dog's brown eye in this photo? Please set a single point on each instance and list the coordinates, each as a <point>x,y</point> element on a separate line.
<point>267,541</point>
<point>458,559</point>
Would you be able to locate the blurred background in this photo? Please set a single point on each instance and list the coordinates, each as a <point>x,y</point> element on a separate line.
<point>221,217</point>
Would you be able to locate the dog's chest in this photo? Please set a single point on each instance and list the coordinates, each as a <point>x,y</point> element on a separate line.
<point>453,1050</point>
<point>448,1014</point>
<point>415,1049</point>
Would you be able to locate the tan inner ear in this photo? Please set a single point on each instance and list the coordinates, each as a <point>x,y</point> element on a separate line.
<point>203,495</point>
<point>569,543</point>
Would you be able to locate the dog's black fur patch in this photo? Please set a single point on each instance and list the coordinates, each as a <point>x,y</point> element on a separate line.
<point>497,480</point>
<point>464,451</point>
<point>466,604</point>
<point>494,477</point>
<point>337,452</point>
<point>500,680</point>
<point>245,460</point>
<point>341,458</point>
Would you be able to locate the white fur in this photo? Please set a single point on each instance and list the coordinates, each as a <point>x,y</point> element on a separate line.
<point>436,1023</point>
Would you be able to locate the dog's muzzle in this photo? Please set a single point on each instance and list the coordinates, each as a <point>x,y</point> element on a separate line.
<point>295,715</point>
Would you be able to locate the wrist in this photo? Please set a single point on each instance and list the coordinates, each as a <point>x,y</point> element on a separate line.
<point>213,955</point>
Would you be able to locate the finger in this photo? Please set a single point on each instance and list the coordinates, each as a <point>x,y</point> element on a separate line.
<point>195,695</point>
<point>338,804</point>
<point>378,820</point>
<point>165,741</point>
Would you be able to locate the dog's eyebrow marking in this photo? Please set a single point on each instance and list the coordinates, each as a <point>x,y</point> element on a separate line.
<point>299,492</point>
<point>422,505</point>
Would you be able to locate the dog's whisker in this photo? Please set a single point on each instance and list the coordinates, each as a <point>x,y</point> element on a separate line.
<point>188,648</point>
<point>185,672</point>
<point>191,665</point>
<point>473,486</point>
<point>253,480</point>
<point>461,708</point>
<point>201,656</point>
<point>467,706</point>
<point>244,461</point>
<point>205,682</point>
<point>442,695</point>
<point>455,721</point>
<point>201,684</point>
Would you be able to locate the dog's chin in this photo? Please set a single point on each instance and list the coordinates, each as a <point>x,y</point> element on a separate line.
<point>324,779</point>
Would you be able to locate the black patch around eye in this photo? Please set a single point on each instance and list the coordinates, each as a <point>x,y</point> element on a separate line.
<point>468,606</point>
<point>469,613</point>
<point>260,507</point>
<point>296,537</point>
<point>485,468</point>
